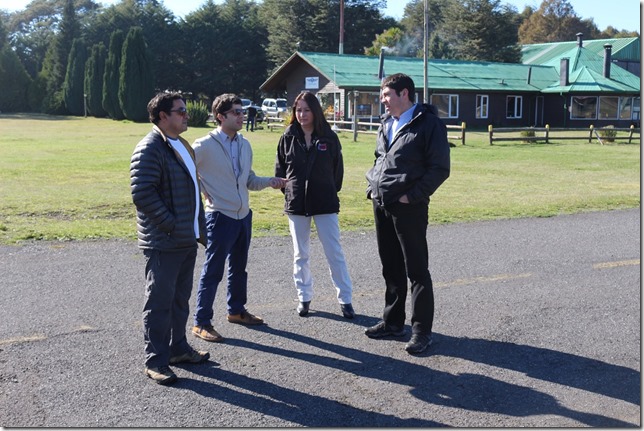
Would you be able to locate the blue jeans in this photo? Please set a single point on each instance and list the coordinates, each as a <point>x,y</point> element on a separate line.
<point>227,239</point>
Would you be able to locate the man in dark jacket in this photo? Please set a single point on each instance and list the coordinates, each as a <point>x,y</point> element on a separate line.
<point>412,161</point>
<point>170,221</point>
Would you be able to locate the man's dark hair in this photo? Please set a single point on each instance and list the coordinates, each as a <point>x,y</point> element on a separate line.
<point>224,103</point>
<point>398,82</point>
<point>162,102</point>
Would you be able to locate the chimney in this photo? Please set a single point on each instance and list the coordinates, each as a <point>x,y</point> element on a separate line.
<point>529,75</point>
<point>381,65</point>
<point>580,40</point>
<point>607,59</point>
<point>563,72</point>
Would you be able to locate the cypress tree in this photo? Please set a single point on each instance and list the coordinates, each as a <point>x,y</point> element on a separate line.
<point>14,97</point>
<point>94,70</point>
<point>56,60</point>
<point>136,83</point>
<point>111,77</point>
<point>75,78</point>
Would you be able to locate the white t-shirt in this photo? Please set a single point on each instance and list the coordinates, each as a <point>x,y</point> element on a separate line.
<point>190,164</point>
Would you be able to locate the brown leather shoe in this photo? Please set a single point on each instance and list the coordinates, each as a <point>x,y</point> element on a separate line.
<point>207,333</point>
<point>162,375</point>
<point>245,318</point>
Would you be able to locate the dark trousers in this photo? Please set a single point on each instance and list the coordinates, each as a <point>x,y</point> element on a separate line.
<point>401,231</point>
<point>168,284</point>
<point>228,238</point>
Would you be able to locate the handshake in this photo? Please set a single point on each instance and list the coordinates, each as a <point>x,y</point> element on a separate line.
<point>278,183</point>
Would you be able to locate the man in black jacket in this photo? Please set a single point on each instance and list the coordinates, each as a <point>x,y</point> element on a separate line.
<point>412,161</point>
<point>170,220</point>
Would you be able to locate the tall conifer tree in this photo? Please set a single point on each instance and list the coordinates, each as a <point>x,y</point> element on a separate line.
<point>94,70</point>
<point>111,77</point>
<point>73,91</point>
<point>136,80</point>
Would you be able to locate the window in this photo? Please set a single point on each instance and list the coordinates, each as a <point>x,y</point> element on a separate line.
<point>514,107</point>
<point>636,109</point>
<point>625,108</point>
<point>608,107</point>
<point>446,104</point>
<point>583,108</point>
<point>482,103</point>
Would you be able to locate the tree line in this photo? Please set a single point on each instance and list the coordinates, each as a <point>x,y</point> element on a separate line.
<point>80,58</point>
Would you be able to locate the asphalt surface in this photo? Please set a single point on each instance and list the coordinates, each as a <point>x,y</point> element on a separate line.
<point>537,325</point>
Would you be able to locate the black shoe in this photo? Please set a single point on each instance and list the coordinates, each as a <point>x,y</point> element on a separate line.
<point>418,343</point>
<point>303,308</point>
<point>383,330</point>
<point>347,311</point>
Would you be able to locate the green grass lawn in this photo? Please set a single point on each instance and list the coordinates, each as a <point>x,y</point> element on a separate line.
<point>68,178</point>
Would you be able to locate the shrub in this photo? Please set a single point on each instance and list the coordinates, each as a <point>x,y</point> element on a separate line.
<point>198,114</point>
<point>528,133</point>
<point>608,133</point>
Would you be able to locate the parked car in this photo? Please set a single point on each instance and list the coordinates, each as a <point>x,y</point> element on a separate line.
<point>260,113</point>
<point>274,107</point>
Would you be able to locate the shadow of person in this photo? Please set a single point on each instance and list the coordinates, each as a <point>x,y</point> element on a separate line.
<point>565,369</point>
<point>468,391</point>
<point>288,404</point>
<point>475,392</point>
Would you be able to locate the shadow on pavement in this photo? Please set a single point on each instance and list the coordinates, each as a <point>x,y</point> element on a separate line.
<point>472,392</point>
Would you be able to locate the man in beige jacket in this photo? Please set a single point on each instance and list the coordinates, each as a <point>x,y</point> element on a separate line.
<point>224,161</point>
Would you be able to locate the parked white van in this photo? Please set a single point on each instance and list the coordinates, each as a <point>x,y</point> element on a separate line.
<point>274,107</point>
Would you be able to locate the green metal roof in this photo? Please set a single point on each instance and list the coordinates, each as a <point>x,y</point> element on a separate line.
<point>357,71</point>
<point>623,49</point>
<point>586,73</point>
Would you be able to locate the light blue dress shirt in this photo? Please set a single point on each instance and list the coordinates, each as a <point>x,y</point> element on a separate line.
<point>397,123</point>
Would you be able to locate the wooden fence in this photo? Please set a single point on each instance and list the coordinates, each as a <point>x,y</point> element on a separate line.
<point>531,134</point>
<point>372,128</point>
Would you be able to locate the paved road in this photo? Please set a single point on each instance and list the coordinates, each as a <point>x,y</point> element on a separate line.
<point>537,325</point>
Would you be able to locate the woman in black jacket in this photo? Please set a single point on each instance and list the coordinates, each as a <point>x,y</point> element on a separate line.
<point>309,156</point>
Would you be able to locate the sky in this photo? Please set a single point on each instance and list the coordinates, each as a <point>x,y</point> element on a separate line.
<point>621,14</point>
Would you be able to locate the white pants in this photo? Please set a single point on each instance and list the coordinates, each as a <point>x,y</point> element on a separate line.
<point>329,233</point>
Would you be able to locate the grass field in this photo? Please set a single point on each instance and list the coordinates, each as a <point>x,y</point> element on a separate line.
<point>68,178</point>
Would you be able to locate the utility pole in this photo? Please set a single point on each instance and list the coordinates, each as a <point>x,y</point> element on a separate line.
<point>425,52</point>
<point>341,47</point>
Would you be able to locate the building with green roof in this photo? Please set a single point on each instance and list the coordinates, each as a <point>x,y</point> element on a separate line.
<point>626,52</point>
<point>575,87</point>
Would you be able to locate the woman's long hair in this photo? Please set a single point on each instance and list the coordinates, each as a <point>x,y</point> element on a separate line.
<point>320,125</point>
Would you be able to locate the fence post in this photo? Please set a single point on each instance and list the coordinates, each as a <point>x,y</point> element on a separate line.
<point>630,134</point>
<point>547,132</point>
<point>490,132</point>
<point>463,132</point>
<point>355,116</point>
<point>590,136</point>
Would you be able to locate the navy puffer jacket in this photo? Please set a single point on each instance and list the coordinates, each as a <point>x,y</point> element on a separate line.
<point>164,195</point>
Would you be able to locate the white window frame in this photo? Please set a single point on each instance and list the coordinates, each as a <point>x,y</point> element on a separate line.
<point>452,105</point>
<point>583,98</point>
<point>517,112</point>
<point>482,106</point>
<point>613,107</point>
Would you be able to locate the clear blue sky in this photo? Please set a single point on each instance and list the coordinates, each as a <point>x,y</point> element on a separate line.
<point>621,14</point>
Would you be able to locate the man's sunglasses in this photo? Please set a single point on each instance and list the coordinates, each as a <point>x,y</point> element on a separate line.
<point>181,111</point>
<point>237,112</point>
